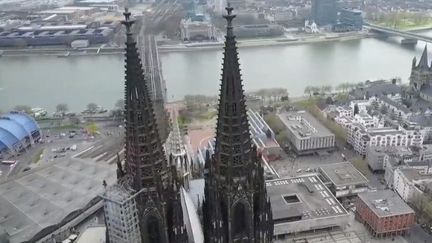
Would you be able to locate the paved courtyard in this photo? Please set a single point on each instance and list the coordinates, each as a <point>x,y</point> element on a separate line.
<point>354,232</point>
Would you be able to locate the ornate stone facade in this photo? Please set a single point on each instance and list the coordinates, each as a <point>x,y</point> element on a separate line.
<point>236,207</point>
<point>421,77</point>
<point>146,169</point>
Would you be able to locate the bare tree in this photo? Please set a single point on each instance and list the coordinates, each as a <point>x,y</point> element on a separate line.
<point>326,89</point>
<point>92,107</point>
<point>62,108</point>
<point>23,108</point>
<point>120,104</point>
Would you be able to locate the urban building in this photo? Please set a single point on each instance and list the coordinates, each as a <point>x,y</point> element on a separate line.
<point>375,156</point>
<point>392,163</point>
<point>361,138</point>
<point>146,169</point>
<point>259,30</point>
<point>303,204</point>
<point>236,207</point>
<point>343,179</point>
<point>362,119</point>
<point>306,134</point>
<point>351,17</point>
<point>324,12</point>
<point>263,137</point>
<point>121,215</point>
<point>18,131</point>
<point>384,213</point>
<point>282,15</point>
<point>70,12</point>
<point>197,30</point>
<point>58,36</point>
<point>410,182</point>
<point>394,106</point>
<point>349,20</point>
<point>377,88</point>
<point>361,105</point>
<point>332,112</point>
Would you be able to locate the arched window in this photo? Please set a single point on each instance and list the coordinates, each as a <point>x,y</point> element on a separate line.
<point>239,219</point>
<point>153,230</point>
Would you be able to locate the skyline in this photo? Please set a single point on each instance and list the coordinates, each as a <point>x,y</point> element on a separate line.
<point>255,163</point>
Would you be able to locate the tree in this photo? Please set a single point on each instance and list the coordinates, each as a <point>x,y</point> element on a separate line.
<point>120,104</point>
<point>283,92</point>
<point>308,90</point>
<point>393,115</point>
<point>315,90</point>
<point>92,107</point>
<point>383,109</point>
<point>285,98</point>
<point>92,128</point>
<point>326,89</point>
<point>62,108</point>
<point>375,104</point>
<point>329,100</point>
<point>23,108</point>
<point>342,87</point>
<point>356,109</point>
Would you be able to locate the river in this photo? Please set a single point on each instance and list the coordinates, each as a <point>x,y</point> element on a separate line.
<point>46,81</point>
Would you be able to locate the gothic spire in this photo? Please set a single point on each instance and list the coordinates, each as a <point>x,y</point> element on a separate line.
<point>144,154</point>
<point>424,63</point>
<point>233,143</point>
<point>235,207</point>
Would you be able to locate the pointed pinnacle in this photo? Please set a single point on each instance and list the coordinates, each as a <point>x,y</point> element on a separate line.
<point>127,22</point>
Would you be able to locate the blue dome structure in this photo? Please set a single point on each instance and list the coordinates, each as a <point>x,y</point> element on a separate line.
<point>17,131</point>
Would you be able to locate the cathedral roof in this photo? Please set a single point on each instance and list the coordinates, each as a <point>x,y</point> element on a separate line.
<point>424,63</point>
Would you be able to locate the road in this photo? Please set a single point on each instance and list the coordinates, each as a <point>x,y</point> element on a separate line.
<point>418,235</point>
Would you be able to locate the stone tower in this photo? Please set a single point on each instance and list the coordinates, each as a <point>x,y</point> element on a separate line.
<point>146,168</point>
<point>421,73</point>
<point>236,207</point>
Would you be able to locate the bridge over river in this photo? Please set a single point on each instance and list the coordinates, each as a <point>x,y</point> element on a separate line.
<point>405,34</point>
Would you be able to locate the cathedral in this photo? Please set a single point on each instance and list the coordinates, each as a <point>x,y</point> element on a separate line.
<point>236,207</point>
<point>421,77</point>
<point>145,206</point>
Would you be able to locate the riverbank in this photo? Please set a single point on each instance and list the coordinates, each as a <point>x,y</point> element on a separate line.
<point>268,42</point>
<point>60,52</point>
<point>93,51</point>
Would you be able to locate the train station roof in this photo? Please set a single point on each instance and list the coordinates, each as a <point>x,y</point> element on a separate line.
<point>49,195</point>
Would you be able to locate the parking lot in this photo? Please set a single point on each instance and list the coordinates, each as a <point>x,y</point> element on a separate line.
<point>57,144</point>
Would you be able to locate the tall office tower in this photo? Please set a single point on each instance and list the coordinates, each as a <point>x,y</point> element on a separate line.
<point>324,12</point>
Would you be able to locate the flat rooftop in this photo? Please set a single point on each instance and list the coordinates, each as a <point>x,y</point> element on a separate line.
<point>383,131</point>
<point>413,174</point>
<point>301,198</point>
<point>385,203</point>
<point>343,174</point>
<point>45,196</point>
<point>304,125</point>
